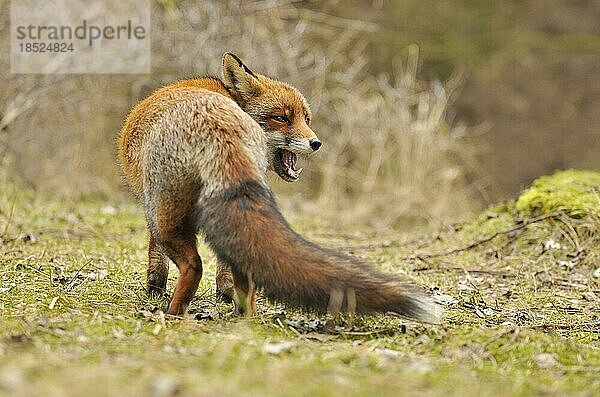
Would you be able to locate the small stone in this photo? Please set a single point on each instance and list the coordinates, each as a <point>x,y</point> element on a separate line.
<point>551,245</point>
<point>277,348</point>
<point>444,299</point>
<point>589,296</point>
<point>419,365</point>
<point>387,355</point>
<point>109,210</point>
<point>29,238</point>
<point>12,379</point>
<point>567,264</point>
<point>164,386</point>
<point>7,289</point>
<point>545,360</point>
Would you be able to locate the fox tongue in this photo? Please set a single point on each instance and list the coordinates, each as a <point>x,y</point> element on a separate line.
<point>288,160</point>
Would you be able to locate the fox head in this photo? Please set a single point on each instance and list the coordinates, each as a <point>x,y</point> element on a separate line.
<point>281,111</point>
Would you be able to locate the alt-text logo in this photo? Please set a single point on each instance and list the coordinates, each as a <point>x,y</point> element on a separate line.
<point>79,36</point>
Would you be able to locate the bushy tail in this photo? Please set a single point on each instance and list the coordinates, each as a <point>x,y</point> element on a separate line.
<point>248,233</point>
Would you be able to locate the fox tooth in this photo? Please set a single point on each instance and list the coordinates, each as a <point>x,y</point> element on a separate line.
<point>299,170</point>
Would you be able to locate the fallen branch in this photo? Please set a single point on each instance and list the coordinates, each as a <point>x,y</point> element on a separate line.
<point>595,326</point>
<point>478,242</point>
<point>463,269</point>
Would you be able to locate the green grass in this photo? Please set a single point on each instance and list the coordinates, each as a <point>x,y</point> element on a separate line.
<point>522,313</point>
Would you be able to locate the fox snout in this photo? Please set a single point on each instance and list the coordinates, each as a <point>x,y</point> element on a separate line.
<point>304,146</point>
<point>315,144</point>
<point>309,140</point>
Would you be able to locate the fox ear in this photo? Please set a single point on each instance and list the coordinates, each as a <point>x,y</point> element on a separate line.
<point>238,79</point>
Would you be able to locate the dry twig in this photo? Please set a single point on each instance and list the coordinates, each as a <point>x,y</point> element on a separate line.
<point>480,241</point>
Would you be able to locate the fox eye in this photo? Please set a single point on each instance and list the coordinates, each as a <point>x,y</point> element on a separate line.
<point>281,119</point>
<point>307,119</point>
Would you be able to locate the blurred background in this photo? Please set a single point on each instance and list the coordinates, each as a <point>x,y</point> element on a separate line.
<point>428,110</point>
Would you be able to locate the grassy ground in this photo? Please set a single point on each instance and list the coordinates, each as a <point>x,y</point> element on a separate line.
<point>522,313</point>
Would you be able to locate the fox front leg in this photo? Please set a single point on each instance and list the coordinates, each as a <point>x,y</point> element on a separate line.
<point>224,283</point>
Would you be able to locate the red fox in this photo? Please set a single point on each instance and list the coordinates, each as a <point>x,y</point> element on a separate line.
<point>196,154</point>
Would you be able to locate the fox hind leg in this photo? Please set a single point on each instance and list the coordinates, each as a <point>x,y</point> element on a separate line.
<point>158,269</point>
<point>179,244</point>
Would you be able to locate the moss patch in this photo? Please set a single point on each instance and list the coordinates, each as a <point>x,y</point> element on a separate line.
<point>573,192</point>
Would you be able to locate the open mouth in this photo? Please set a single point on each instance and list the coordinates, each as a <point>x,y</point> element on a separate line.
<point>285,165</point>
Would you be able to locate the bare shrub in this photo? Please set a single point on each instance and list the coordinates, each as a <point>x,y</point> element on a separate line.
<point>389,154</point>
<point>392,157</point>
